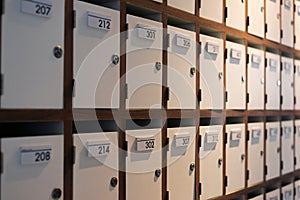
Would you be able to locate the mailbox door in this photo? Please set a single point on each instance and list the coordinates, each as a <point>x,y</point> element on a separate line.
<point>260,197</point>
<point>181,163</point>
<point>297,25</point>
<point>235,76</point>
<point>273,81</point>
<point>96,75</point>
<point>288,192</point>
<point>297,144</point>
<point>297,187</point>
<point>144,63</point>
<point>256,153</point>
<point>187,6</point>
<point>143,163</point>
<point>287,148</point>
<point>297,84</point>
<point>256,79</point>
<point>211,73</point>
<point>32,61</point>
<point>287,77</point>
<point>29,163</point>
<point>287,23</point>
<point>96,166</point>
<point>236,14</point>
<point>273,20</point>
<point>273,195</point>
<point>256,12</point>
<point>206,8</point>
<point>235,157</point>
<point>211,159</point>
<point>273,150</point>
<point>181,69</point>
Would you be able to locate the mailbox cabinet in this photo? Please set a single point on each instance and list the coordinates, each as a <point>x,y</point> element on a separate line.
<point>273,195</point>
<point>287,146</point>
<point>256,79</point>
<point>32,43</point>
<point>181,68</point>
<point>297,144</point>
<point>256,11</point>
<point>211,73</point>
<point>272,150</point>
<point>235,76</point>
<point>143,164</point>
<point>255,153</point>
<point>236,10</point>
<point>235,157</point>
<point>297,25</point>
<point>144,56</point>
<point>211,159</point>
<point>297,84</point>
<point>288,192</point>
<point>273,20</point>
<point>287,78</point>
<point>287,23</point>
<point>187,6</point>
<point>181,163</point>
<point>32,167</point>
<point>273,81</point>
<point>96,72</point>
<point>206,8</point>
<point>96,166</point>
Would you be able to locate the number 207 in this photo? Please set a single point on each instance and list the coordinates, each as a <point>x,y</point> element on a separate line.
<point>42,10</point>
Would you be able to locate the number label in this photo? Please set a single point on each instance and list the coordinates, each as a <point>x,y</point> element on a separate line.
<point>287,66</point>
<point>298,69</point>
<point>99,21</point>
<point>182,140</point>
<point>236,135</point>
<point>145,144</point>
<point>98,148</point>
<point>212,138</point>
<point>256,59</point>
<point>38,8</point>
<point>212,48</point>
<point>287,132</point>
<point>35,155</point>
<point>256,133</point>
<point>183,41</point>
<point>287,3</point>
<point>146,32</point>
<point>298,131</point>
<point>273,63</point>
<point>236,54</point>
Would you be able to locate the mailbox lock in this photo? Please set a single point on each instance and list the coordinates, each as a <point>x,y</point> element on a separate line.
<point>220,75</point>
<point>220,161</point>
<point>56,193</point>
<point>158,66</point>
<point>193,71</point>
<point>243,156</point>
<point>113,181</point>
<point>192,167</point>
<point>58,51</point>
<point>115,59</point>
<point>157,173</point>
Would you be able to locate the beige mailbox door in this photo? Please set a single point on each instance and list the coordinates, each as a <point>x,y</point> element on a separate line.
<point>256,11</point>
<point>273,150</point>
<point>206,8</point>
<point>236,14</point>
<point>273,20</point>
<point>273,81</point>
<point>287,79</point>
<point>287,146</point>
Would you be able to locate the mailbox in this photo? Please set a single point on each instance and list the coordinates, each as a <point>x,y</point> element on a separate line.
<point>236,10</point>
<point>273,195</point>
<point>297,84</point>
<point>287,23</point>
<point>297,144</point>
<point>187,6</point>
<point>297,187</point>
<point>297,25</point>
<point>287,147</point>
<point>272,150</point>
<point>287,78</point>
<point>273,81</point>
<point>273,20</point>
<point>32,56</point>
<point>288,192</point>
<point>256,11</point>
<point>206,8</point>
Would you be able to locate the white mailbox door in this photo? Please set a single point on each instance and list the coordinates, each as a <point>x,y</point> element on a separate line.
<point>187,6</point>
<point>273,195</point>
<point>32,168</point>
<point>211,161</point>
<point>297,84</point>
<point>181,68</point>
<point>297,144</point>
<point>206,8</point>
<point>273,20</point>
<point>235,76</point>
<point>273,81</point>
<point>143,164</point>
<point>235,157</point>
<point>256,12</point>
<point>256,153</point>
<point>273,150</point>
<point>297,25</point>
<point>144,63</point>
<point>236,14</point>
<point>96,44</point>
<point>256,79</point>
<point>297,187</point>
<point>211,72</point>
<point>287,150</point>
<point>32,61</point>
<point>287,77</point>
<point>288,192</point>
<point>287,23</point>
<point>181,163</point>
<point>96,166</point>
<point>260,197</point>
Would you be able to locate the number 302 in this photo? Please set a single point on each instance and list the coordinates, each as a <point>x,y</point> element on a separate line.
<point>42,156</point>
